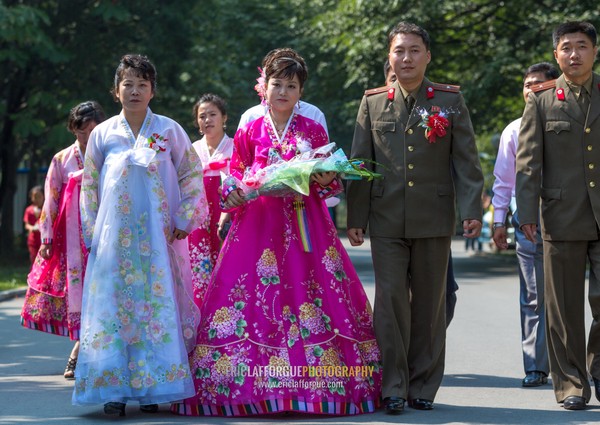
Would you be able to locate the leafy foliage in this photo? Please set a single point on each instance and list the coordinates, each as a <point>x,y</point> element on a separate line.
<point>55,54</point>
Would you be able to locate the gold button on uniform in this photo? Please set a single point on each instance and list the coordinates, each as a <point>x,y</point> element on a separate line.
<point>410,131</point>
<point>592,184</point>
<point>588,130</point>
<point>411,183</point>
<point>411,166</point>
<point>591,166</point>
<point>589,147</point>
<point>411,148</point>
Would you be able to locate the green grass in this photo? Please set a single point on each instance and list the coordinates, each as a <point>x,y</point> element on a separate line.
<point>15,267</point>
<point>13,276</point>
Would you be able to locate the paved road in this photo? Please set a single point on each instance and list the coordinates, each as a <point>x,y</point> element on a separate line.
<point>481,386</point>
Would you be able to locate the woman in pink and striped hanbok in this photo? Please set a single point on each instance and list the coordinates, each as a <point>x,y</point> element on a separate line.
<point>285,325</point>
<point>53,299</point>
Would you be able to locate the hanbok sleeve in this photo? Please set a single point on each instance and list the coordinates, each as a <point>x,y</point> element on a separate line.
<point>52,191</point>
<point>192,211</point>
<point>94,160</point>
<point>243,154</point>
<point>241,158</point>
<point>319,138</point>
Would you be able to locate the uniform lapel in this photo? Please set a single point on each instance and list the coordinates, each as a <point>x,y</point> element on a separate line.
<point>421,102</point>
<point>594,100</point>
<point>569,105</point>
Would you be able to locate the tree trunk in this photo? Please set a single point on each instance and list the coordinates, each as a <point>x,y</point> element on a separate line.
<point>8,187</point>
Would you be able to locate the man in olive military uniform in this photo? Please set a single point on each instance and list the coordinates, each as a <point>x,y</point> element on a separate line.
<point>420,138</point>
<point>559,160</point>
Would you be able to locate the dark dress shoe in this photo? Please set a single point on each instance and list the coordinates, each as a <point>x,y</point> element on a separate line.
<point>420,404</point>
<point>393,405</point>
<point>149,408</point>
<point>574,402</point>
<point>597,387</point>
<point>535,379</point>
<point>114,407</point>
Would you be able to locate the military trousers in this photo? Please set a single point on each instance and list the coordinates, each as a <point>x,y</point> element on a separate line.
<point>410,313</point>
<point>565,271</point>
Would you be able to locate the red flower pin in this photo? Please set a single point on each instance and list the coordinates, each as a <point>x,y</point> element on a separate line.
<point>435,123</point>
<point>560,94</point>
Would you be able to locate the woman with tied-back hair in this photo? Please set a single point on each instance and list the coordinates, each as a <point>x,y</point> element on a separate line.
<point>214,149</point>
<point>53,300</point>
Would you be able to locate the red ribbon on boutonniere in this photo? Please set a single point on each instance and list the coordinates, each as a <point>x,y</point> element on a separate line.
<point>560,94</point>
<point>217,165</point>
<point>391,93</point>
<point>430,93</point>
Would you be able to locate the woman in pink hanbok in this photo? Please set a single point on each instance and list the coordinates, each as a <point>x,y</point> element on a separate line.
<point>53,299</point>
<point>214,149</point>
<point>141,195</point>
<point>285,325</point>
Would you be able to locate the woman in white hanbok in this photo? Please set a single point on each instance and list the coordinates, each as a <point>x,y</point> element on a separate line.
<point>142,193</point>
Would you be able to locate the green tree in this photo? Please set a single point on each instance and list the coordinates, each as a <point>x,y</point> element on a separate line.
<point>482,45</point>
<point>55,54</point>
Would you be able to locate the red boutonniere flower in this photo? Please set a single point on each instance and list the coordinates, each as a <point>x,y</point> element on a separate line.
<point>435,123</point>
<point>157,142</point>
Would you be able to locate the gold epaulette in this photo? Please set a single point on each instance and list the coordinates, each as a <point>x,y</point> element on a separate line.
<point>445,87</point>
<point>543,86</point>
<point>382,89</point>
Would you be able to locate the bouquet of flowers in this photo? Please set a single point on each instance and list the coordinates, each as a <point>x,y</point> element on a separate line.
<point>284,178</point>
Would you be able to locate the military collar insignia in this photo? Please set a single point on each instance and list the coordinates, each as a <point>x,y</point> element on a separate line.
<point>430,93</point>
<point>560,94</point>
<point>391,93</point>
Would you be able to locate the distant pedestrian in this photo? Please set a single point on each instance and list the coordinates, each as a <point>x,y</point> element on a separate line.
<point>30,221</point>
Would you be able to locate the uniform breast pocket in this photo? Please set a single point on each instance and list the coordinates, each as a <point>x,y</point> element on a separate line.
<point>383,127</point>
<point>558,126</point>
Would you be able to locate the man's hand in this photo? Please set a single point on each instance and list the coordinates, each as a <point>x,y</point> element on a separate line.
<point>500,238</point>
<point>471,228</point>
<point>530,231</point>
<point>356,236</point>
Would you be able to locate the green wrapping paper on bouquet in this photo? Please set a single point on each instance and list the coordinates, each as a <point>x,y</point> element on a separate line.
<point>285,178</point>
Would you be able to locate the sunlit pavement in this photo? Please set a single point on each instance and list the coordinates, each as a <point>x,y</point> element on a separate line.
<point>483,364</point>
